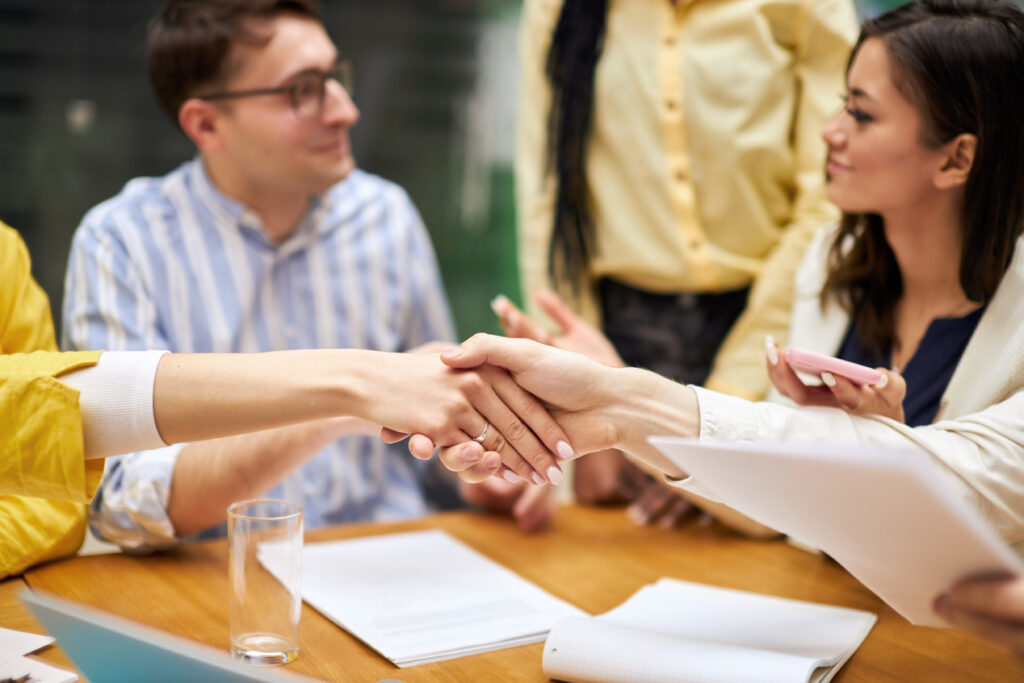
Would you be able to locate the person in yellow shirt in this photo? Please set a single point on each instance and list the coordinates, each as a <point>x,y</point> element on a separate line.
<point>669,174</point>
<point>64,412</point>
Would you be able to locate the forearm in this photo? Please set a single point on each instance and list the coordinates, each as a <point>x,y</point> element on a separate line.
<point>655,406</point>
<point>206,396</point>
<point>210,475</point>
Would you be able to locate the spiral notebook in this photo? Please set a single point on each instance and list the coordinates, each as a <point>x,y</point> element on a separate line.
<point>680,631</point>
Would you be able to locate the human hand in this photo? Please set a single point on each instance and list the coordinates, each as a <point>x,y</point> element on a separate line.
<point>576,334</point>
<point>434,347</point>
<point>607,478</point>
<point>990,607</point>
<point>447,407</point>
<point>533,507</point>
<point>660,504</point>
<point>884,398</point>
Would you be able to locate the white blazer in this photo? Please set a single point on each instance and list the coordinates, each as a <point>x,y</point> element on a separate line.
<point>978,435</point>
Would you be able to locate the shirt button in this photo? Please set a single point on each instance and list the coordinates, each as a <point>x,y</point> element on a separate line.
<point>670,105</point>
<point>670,41</point>
<point>696,244</point>
<point>680,175</point>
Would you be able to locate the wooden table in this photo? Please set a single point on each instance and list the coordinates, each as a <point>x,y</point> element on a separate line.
<point>593,558</point>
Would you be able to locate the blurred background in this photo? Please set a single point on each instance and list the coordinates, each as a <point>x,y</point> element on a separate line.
<point>435,80</point>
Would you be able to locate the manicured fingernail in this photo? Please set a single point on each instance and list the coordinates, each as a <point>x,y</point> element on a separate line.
<point>565,451</point>
<point>828,379</point>
<point>470,454</point>
<point>510,476</point>
<point>537,479</point>
<point>497,303</point>
<point>555,475</point>
<point>770,351</point>
<point>453,353</point>
<point>880,384</point>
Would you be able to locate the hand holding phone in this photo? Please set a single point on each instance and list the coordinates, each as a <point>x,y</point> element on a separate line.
<point>817,363</point>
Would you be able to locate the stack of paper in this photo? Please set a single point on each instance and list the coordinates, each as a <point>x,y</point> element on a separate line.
<point>424,597</point>
<point>679,631</point>
<point>14,665</point>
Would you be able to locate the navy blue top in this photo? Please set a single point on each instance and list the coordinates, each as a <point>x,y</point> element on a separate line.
<point>929,370</point>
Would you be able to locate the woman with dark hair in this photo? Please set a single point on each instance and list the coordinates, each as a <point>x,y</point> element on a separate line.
<point>926,272</point>
<point>669,154</point>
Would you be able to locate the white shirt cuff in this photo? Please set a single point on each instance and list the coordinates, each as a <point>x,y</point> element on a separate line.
<point>116,400</point>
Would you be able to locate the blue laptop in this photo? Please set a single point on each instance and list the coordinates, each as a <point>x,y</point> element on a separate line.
<point>109,648</point>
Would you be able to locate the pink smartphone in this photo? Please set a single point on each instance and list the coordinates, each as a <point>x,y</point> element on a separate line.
<point>816,363</point>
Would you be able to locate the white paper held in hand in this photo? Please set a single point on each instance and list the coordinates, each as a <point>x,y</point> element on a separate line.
<point>893,518</point>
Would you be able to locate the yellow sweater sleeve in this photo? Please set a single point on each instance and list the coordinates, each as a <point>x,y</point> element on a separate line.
<point>44,478</point>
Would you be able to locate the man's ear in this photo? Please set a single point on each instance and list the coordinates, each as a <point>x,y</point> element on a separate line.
<point>957,163</point>
<point>201,122</point>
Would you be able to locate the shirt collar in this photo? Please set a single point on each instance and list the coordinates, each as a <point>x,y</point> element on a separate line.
<point>234,214</point>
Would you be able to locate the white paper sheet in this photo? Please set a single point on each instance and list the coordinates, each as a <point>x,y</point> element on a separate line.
<point>37,672</point>
<point>891,518</point>
<point>13,664</point>
<point>424,596</point>
<point>17,643</point>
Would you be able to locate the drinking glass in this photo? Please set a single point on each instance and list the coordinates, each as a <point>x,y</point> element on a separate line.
<point>265,574</point>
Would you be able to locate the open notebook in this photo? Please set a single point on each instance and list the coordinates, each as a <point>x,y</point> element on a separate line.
<point>680,631</point>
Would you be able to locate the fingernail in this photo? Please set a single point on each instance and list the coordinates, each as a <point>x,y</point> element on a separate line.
<point>510,476</point>
<point>565,451</point>
<point>828,379</point>
<point>470,454</point>
<point>497,303</point>
<point>537,479</point>
<point>453,353</point>
<point>770,351</point>
<point>555,475</point>
<point>880,384</point>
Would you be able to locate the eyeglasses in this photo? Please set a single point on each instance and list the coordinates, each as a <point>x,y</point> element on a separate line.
<point>306,92</point>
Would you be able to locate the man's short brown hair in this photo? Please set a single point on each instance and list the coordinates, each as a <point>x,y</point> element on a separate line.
<point>189,42</point>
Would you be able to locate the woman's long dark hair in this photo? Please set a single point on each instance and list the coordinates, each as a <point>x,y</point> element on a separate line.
<point>961,63</point>
<point>572,59</point>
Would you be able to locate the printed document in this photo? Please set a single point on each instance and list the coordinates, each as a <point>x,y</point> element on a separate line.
<point>424,597</point>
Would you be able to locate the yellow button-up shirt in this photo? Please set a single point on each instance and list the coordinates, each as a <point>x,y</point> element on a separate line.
<point>41,451</point>
<point>705,162</point>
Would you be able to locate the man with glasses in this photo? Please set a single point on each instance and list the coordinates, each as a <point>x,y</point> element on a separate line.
<point>269,239</point>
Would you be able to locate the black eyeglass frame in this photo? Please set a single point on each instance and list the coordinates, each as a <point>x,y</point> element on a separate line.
<point>340,72</point>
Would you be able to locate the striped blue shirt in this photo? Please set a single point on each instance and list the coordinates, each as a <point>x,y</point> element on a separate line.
<point>172,263</point>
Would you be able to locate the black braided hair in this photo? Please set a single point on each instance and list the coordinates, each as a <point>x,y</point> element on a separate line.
<point>572,58</point>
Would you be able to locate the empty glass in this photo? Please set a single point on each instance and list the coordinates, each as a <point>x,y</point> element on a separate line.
<point>265,573</point>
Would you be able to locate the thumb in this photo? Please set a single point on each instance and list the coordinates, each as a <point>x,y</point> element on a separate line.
<point>512,354</point>
<point>553,305</point>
